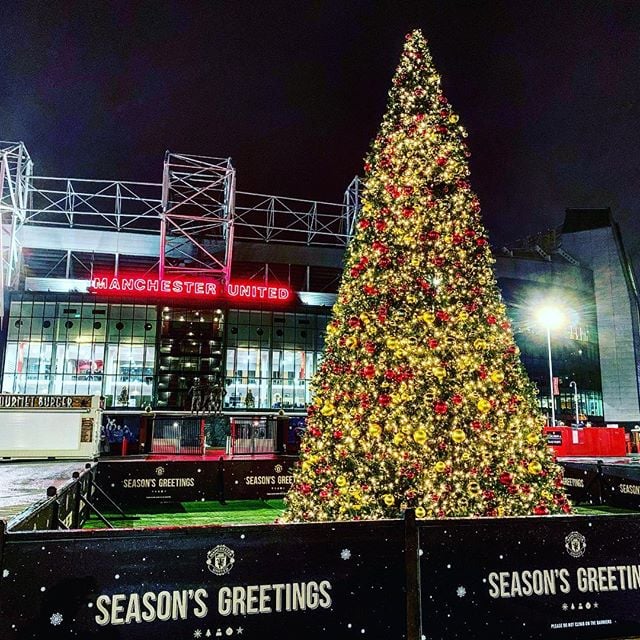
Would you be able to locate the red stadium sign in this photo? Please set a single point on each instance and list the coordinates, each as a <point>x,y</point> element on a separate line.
<point>140,286</point>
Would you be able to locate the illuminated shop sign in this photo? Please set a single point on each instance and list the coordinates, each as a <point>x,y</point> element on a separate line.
<point>188,288</point>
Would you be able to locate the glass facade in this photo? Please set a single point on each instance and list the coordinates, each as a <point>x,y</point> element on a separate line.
<point>139,355</point>
<point>271,358</point>
<point>81,347</point>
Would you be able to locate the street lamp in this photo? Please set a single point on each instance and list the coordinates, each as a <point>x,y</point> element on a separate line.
<point>550,318</point>
<point>575,399</point>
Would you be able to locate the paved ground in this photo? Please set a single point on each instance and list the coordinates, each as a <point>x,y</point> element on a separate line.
<point>23,483</point>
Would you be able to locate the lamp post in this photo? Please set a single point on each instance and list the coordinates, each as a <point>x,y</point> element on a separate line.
<point>575,399</point>
<point>550,318</point>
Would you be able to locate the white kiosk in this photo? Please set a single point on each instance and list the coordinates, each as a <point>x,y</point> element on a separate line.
<point>49,426</point>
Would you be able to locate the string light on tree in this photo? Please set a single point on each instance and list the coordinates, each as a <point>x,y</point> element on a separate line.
<point>421,400</point>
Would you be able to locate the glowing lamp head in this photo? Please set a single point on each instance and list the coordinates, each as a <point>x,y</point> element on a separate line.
<point>550,317</point>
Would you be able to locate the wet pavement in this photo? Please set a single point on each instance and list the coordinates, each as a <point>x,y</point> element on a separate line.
<point>23,483</point>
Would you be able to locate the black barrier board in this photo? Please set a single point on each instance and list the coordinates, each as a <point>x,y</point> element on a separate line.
<point>621,485</point>
<point>557,577</point>
<point>581,482</point>
<point>140,481</point>
<point>247,583</point>
<point>252,479</point>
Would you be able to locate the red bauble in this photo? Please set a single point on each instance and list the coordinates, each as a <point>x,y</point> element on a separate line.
<point>355,272</point>
<point>456,399</point>
<point>407,212</point>
<point>369,371</point>
<point>540,510</point>
<point>433,235</point>
<point>476,425</point>
<point>353,322</point>
<point>443,316</point>
<point>384,400</point>
<point>364,223</point>
<point>337,434</point>
<point>381,225</point>
<point>438,261</point>
<point>512,490</point>
<point>505,479</point>
<point>433,343</point>
<point>369,290</point>
<point>384,262</point>
<point>491,319</point>
<point>441,161</point>
<point>441,408</point>
<point>390,374</point>
<point>369,347</point>
<point>456,238</point>
<point>481,242</point>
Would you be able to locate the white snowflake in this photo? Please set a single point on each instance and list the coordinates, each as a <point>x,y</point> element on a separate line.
<point>345,554</point>
<point>197,633</point>
<point>461,592</point>
<point>5,573</point>
<point>56,619</point>
<point>565,606</point>
<point>239,631</point>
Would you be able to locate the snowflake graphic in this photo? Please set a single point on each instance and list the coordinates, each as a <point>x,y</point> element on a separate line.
<point>565,606</point>
<point>461,592</point>
<point>345,554</point>
<point>239,631</point>
<point>197,633</point>
<point>56,619</point>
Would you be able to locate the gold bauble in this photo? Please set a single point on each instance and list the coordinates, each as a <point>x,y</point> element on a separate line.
<point>398,439</point>
<point>428,317</point>
<point>341,481</point>
<point>473,489</point>
<point>534,467</point>
<point>388,499</point>
<point>440,466</point>
<point>421,512</point>
<point>439,372</point>
<point>483,405</point>
<point>497,376</point>
<point>351,342</point>
<point>462,316</point>
<point>374,430</point>
<point>393,343</point>
<point>458,436</point>
<point>480,344</point>
<point>420,436</point>
<point>354,433</point>
<point>533,438</point>
<point>327,409</point>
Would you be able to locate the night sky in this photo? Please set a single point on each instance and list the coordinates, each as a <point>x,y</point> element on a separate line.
<point>294,91</point>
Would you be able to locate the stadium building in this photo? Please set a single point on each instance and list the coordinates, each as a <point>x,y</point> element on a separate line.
<point>157,296</point>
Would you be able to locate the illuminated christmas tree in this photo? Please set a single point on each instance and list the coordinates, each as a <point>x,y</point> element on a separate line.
<point>421,400</point>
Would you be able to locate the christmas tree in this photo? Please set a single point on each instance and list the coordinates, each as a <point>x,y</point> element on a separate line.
<point>421,400</point>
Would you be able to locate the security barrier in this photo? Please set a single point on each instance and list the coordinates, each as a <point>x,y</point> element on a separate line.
<point>562,577</point>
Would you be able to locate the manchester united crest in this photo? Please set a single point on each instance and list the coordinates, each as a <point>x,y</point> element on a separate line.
<point>220,560</point>
<point>575,544</point>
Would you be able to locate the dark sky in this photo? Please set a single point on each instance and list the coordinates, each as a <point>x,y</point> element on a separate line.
<point>294,91</point>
